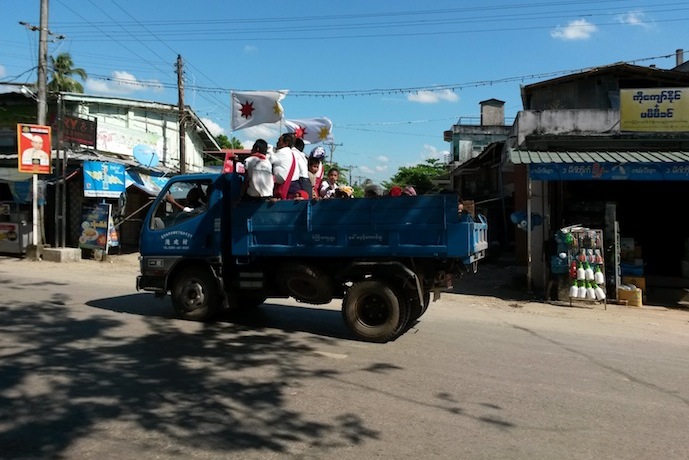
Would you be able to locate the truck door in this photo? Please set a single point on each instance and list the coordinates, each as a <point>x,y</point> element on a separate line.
<point>183,220</point>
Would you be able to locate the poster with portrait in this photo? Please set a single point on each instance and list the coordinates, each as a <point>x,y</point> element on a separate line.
<point>33,149</point>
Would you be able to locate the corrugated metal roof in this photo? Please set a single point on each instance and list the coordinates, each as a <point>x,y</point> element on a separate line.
<point>522,157</point>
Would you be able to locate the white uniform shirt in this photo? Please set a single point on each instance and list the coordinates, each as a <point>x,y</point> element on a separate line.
<point>282,162</point>
<point>302,163</point>
<point>328,190</point>
<point>259,173</point>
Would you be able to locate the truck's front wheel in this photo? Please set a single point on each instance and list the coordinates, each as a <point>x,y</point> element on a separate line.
<point>373,312</point>
<point>195,295</point>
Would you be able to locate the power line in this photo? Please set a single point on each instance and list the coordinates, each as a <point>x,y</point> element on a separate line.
<point>383,91</point>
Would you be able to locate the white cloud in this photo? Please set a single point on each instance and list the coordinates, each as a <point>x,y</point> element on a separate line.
<point>366,170</point>
<point>381,168</point>
<point>382,159</point>
<point>579,29</point>
<point>432,97</point>
<point>213,127</point>
<point>633,18</point>
<point>250,49</point>
<point>122,83</point>
<point>267,131</point>
<point>430,151</point>
<point>3,71</point>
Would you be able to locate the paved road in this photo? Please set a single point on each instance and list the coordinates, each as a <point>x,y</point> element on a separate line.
<point>89,368</point>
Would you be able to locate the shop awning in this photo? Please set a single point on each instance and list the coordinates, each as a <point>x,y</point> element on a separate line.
<point>604,165</point>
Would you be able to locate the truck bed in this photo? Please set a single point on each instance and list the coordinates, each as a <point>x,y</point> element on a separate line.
<point>420,226</point>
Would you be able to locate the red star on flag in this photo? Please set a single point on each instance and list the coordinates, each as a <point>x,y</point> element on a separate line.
<point>300,132</point>
<point>247,109</point>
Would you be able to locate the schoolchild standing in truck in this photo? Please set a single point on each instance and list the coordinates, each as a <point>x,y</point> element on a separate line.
<point>330,186</point>
<point>316,170</point>
<point>304,182</point>
<point>259,183</point>
<point>286,168</point>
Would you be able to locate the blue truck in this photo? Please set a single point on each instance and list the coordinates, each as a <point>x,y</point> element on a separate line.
<point>384,257</point>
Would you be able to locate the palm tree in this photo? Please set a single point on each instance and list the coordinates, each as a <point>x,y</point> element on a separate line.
<point>61,72</point>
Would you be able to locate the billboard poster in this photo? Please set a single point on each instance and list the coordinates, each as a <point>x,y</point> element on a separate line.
<point>33,149</point>
<point>103,180</point>
<point>654,109</point>
<point>97,227</point>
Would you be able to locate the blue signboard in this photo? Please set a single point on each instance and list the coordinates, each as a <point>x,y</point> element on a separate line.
<point>610,171</point>
<point>103,180</point>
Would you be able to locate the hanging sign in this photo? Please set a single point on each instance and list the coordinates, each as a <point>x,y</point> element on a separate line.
<point>79,131</point>
<point>103,180</point>
<point>33,149</point>
<point>610,171</point>
<point>654,109</point>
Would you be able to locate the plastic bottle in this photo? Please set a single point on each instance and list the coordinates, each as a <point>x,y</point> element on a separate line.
<point>600,293</point>
<point>581,273</point>
<point>588,272</point>
<point>574,289</point>
<point>590,292</point>
<point>598,276</point>
<point>582,290</point>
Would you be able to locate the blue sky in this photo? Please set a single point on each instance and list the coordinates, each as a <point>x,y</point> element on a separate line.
<point>392,76</point>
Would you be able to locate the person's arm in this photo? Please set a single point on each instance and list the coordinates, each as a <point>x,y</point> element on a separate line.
<point>170,199</point>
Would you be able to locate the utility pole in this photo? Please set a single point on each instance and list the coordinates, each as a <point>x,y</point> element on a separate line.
<point>350,168</point>
<point>33,251</point>
<point>43,65</point>
<point>332,146</point>
<point>182,117</point>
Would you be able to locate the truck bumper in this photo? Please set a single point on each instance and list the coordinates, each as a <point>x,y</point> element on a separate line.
<point>150,283</point>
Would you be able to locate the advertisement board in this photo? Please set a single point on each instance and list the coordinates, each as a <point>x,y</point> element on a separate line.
<point>103,180</point>
<point>33,149</point>
<point>97,227</point>
<point>654,109</point>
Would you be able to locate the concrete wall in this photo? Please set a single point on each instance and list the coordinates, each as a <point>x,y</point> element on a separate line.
<point>580,122</point>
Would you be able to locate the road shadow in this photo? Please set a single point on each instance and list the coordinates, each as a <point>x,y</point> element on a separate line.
<point>220,387</point>
<point>270,315</point>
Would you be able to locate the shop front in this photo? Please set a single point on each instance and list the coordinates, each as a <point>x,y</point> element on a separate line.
<point>634,198</point>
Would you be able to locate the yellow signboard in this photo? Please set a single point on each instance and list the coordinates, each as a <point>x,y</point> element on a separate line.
<point>654,109</point>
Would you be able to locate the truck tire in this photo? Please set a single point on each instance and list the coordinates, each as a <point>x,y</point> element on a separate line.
<point>195,294</point>
<point>374,312</point>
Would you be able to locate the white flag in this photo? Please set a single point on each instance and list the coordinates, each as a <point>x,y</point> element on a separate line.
<point>256,107</point>
<point>312,130</point>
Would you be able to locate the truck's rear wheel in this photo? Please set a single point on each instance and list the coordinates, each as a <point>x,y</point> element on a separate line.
<point>195,295</point>
<point>374,312</point>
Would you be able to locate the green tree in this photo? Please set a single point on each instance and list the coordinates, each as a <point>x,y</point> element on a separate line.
<point>420,176</point>
<point>225,143</point>
<point>62,71</point>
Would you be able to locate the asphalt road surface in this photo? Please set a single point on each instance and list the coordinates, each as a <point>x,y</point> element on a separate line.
<point>89,368</point>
